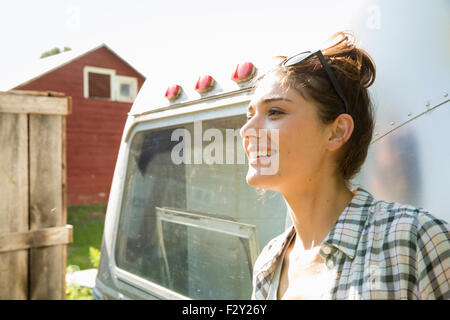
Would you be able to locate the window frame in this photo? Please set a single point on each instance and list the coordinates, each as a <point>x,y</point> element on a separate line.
<point>187,218</point>
<point>123,276</point>
<point>110,72</point>
<point>132,81</point>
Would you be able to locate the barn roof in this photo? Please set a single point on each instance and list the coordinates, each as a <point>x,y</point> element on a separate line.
<point>43,66</point>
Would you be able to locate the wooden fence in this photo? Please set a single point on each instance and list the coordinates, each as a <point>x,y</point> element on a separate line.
<point>33,215</point>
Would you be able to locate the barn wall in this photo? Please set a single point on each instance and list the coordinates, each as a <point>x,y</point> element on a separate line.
<point>94,128</point>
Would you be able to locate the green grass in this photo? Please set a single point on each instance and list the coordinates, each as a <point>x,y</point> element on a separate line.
<point>88,222</point>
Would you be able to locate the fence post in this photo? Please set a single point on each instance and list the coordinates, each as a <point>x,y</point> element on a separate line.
<point>13,202</point>
<point>33,197</point>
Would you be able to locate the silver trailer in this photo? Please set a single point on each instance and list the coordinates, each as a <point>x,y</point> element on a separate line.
<point>194,230</point>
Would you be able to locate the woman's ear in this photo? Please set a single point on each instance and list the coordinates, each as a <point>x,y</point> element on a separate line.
<point>340,131</point>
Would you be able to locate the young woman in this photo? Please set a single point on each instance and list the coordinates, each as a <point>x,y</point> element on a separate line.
<point>343,244</point>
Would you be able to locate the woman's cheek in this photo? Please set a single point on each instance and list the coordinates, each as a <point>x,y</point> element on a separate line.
<point>286,153</point>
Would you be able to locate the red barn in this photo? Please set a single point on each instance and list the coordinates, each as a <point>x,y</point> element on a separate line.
<point>102,86</point>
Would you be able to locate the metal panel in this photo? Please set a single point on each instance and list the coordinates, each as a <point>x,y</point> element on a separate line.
<point>411,164</point>
<point>409,159</point>
<point>410,45</point>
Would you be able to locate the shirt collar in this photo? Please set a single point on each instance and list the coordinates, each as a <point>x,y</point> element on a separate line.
<point>346,232</point>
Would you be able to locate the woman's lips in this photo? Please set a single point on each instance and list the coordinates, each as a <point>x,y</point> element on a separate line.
<point>259,153</point>
<point>263,153</point>
<point>261,157</point>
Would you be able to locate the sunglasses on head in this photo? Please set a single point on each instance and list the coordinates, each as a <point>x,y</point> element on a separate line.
<point>298,58</point>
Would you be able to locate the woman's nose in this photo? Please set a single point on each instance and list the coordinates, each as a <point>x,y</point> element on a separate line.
<point>250,127</point>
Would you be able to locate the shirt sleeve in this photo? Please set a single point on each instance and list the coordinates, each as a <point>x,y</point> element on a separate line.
<point>433,262</point>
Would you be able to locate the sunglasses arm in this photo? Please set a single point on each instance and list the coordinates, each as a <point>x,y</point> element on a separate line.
<point>333,79</point>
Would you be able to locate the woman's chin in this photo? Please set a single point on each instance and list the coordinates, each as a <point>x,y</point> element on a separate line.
<point>258,179</point>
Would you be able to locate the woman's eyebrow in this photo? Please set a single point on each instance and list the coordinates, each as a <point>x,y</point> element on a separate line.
<point>276,99</point>
<point>266,101</point>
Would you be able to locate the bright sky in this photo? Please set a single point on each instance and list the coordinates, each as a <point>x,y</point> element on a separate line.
<point>169,38</point>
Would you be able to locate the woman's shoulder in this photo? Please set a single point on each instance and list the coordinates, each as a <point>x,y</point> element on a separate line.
<point>384,212</point>
<point>405,221</point>
<point>406,235</point>
<point>415,237</point>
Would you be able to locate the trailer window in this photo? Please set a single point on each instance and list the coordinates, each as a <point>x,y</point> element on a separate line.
<point>194,228</point>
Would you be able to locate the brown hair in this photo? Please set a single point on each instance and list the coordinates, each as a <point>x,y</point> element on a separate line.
<point>355,71</point>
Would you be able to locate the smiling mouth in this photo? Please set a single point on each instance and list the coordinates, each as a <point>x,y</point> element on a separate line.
<point>257,154</point>
<point>260,157</point>
<point>260,152</point>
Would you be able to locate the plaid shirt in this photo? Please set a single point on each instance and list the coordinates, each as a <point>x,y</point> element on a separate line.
<point>376,250</point>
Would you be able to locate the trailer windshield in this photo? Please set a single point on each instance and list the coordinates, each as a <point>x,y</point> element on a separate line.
<point>194,228</point>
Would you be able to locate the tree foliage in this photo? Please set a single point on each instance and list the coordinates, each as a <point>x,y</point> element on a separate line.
<point>53,52</point>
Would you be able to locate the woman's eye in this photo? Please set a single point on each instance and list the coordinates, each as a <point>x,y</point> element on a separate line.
<point>275,112</point>
<point>271,112</point>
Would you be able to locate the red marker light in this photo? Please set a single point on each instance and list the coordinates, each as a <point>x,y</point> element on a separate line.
<point>173,92</point>
<point>244,72</point>
<point>204,84</point>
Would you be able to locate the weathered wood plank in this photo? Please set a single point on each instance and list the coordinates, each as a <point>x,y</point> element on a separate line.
<point>64,196</point>
<point>46,206</point>
<point>34,104</point>
<point>13,202</point>
<point>37,93</point>
<point>36,238</point>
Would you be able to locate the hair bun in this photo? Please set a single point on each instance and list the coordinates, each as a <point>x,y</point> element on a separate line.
<point>355,63</point>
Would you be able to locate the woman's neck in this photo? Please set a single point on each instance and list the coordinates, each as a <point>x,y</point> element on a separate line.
<point>315,210</point>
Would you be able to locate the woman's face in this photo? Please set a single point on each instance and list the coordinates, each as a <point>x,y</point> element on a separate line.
<point>297,153</point>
